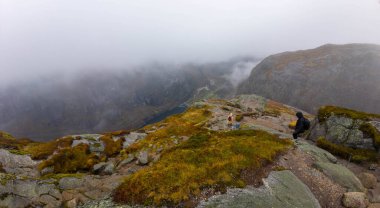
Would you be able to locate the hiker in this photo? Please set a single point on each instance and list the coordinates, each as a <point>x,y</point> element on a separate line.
<point>237,125</point>
<point>229,120</point>
<point>301,126</point>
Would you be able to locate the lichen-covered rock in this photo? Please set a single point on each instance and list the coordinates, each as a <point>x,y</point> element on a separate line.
<point>98,168</point>
<point>126,161</point>
<point>317,153</point>
<point>109,169</point>
<point>355,200</point>
<point>70,183</point>
<point>341,175</point>
<point>17,164</point>
<point>347,127</point>
<point>47,170</point>
<point>280,190</point>
<point>103,203</point>
<point>368,180</point>
<point>132,138</point>
<point>49,201</point>
<point>14,201</point>
<point>343,130</point>
<point>143,157</point>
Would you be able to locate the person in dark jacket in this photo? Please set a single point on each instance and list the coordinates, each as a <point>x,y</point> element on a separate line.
<point>300,125</point>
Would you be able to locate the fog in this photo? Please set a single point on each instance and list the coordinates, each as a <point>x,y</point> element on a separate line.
<point>43,37</point>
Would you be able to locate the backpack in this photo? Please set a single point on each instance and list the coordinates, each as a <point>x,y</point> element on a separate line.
<point>306,124</point>
<point>229,118</point>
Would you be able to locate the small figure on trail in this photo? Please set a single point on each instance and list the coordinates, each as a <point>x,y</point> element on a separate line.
<point>237,125</point>
<point>302,125</point>
<point>229,120</point>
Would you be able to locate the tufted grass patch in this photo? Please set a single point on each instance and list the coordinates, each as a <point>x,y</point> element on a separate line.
<point>372,132</point>
<point>184,124</point>
<point>356,155</point>
<point>207,160</point>
<point>42,150</point>
<point>111,147</point>
<point>71,160</point>
<point>326,111</point>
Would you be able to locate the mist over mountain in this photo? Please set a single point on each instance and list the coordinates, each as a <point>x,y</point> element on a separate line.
<point>54,106</point>
<point>344,75</point>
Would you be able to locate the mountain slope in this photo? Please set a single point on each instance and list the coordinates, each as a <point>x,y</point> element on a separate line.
<point>191,159</point>
<point>108,100</point>
<point>343,75</point>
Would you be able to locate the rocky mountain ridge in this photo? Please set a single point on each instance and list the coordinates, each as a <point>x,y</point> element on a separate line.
<point>94,170</point>
<point>341,75</point>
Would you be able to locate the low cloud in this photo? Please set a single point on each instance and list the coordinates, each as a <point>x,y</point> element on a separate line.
<point>241,72</point>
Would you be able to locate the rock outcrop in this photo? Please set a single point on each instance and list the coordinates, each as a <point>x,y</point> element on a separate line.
<point>349,128</point>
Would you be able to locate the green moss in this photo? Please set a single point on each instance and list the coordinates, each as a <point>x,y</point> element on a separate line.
<point>62,175</point>
<point>371,131</point>
<point>279,168</point>
<point>326,111</point>
<point>18,152</point>
<point>208,160</point>
<point>71,160</point>
<point>4,178</point>
<point>356,155</point>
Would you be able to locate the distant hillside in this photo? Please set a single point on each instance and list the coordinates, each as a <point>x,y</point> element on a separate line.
<point>109,100</point>
<point>343,75</point>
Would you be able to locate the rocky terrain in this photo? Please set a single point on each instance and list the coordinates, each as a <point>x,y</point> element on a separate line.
<point>341,75</point>
<point>195,160</point>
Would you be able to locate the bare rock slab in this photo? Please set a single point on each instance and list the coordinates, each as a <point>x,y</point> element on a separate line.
<point>282,189</point>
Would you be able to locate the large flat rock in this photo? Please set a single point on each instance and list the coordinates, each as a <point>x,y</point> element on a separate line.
<point>282,189</point>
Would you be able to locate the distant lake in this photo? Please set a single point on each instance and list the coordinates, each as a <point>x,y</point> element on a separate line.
<point>161,116</point>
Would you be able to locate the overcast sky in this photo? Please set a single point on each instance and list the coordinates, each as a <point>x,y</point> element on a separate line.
<point>40,36</point>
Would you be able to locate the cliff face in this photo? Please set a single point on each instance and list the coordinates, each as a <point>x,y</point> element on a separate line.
<point>343,75</point>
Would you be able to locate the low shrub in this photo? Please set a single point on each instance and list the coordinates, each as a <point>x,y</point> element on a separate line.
<point>117,133</point>
<point>71,160</point>
<point>42,150</point>
<point>111,147</point>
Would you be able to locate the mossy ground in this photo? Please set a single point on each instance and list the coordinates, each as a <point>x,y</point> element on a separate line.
<point>173,127</point>
<point>4,178</point>
<point>356,155</point>
<point>62,175</point>
<point>326,111</point>
<point>207,160</point>
<point>369,130</point>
